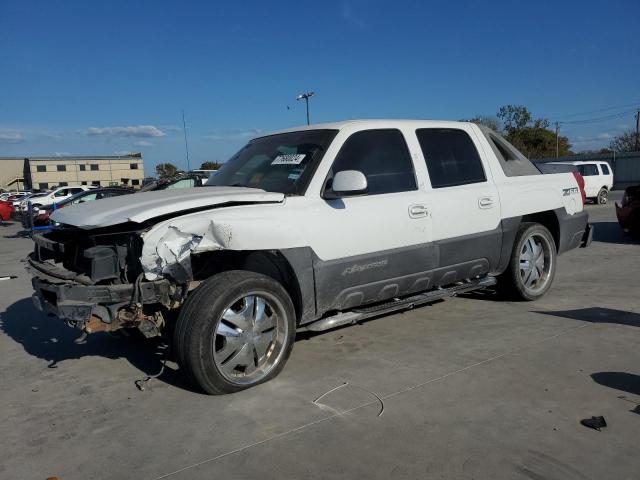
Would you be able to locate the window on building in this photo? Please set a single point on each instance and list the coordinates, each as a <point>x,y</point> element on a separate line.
<point>124,181</point>
<point>135,181</point>
<point>451,156</point>
<point>133,166</point>
<point>94,166</point>
<point>63,184</point>
<point>383,157</point>
<point>83,183</point>
<point>43,186</point>
<point>61,168</point>
<point>96,183</point>
<point>83,167</point>
<point>41,168</point>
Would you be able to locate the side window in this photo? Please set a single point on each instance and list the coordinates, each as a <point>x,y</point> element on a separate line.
<point>184,183</point>
<point>61,193</point>
<point>451,156</point>
<point>383,157</point>
<point>588,170</point>
<point>605,169</point>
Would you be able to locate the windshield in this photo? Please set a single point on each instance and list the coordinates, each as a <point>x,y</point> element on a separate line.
<point>281,163</point>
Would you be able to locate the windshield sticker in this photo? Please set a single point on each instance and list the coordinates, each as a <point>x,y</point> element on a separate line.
<point>291,159</point>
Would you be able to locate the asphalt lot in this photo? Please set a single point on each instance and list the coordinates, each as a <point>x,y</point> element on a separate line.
<point>471,387</point>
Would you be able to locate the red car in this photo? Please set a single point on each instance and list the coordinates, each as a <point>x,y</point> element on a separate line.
<point>629,211</point>
<point>6,209</point>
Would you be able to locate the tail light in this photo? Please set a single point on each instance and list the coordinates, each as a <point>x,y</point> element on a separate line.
<point>580,181</point>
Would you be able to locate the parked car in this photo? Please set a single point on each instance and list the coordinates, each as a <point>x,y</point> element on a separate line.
<point>61,193</point>
<point>185,180</point>
<point>41,217</point>
<point>309,229</point>
<point>6,211</point>
<point>628,211</point>
<point>598,179</point>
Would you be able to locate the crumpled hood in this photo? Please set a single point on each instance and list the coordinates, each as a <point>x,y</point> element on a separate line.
<point>146,205</point>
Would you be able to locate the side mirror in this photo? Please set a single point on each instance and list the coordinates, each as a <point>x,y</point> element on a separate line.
<point>348,182</point>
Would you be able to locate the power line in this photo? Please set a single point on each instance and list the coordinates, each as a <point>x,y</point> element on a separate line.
<point>635,104</point>
<point>599,119</point>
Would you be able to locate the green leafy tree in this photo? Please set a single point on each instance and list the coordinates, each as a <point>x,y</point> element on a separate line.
<point>625,142</point>
<point>210,165</point>
<point>538,142</point>
<point>514,117</point>
<point>164,170</point>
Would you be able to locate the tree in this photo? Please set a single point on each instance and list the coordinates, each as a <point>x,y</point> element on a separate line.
<point>538,142</point>
<point>514,117</point>
<point>625,142</point>
<point>210,165</point>
<point>488,121</point>
<point>164,170</point>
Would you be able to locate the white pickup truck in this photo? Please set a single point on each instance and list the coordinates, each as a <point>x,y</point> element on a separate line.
<point>309,228</point>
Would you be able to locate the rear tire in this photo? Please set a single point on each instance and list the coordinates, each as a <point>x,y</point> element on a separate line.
<point>602,197</point>
<point>235,331</point>
<point>532,265</point>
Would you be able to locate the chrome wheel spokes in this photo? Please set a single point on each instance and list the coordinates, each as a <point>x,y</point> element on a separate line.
<point>248,339</point>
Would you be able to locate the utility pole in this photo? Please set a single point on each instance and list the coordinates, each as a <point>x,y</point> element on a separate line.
<point>306,97</point>
<point>186,144</point>
<point>557,138</point>
<point>638,131</point>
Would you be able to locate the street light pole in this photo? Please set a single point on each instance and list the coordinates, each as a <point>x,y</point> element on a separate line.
<point>306,97</point>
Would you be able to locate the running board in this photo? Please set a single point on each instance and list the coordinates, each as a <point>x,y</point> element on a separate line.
<point>362,313</point>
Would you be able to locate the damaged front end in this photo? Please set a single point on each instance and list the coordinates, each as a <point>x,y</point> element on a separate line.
<point>95,282</point>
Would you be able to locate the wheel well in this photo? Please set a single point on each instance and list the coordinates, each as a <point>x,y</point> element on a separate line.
<point>550,220</point>
<point>267,262</point>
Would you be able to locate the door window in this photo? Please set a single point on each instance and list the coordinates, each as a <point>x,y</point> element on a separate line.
<point>451,156</point>
<point>605,169</point>
<point>62,193</point>
<point>382,156</point>
<point>588,170</point>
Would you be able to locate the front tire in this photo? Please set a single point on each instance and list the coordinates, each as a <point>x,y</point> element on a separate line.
<point>532,265</point>
<point>235,331</point>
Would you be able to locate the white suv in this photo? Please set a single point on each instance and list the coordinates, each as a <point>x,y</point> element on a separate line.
<point>309,228</point>
<point>59,194</point>
<point>598,178</point>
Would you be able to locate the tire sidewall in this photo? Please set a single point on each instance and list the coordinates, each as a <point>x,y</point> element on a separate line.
<point>204,308</point>
<point>526,231</point>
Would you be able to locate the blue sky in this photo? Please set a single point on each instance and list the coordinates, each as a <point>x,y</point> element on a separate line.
<point>84,77</point>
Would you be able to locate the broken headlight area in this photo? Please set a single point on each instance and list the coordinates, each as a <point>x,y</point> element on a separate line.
<point>94,282</point>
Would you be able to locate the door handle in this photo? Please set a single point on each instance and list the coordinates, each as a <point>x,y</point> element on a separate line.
<point>418,211</point>
<point>485,202</point>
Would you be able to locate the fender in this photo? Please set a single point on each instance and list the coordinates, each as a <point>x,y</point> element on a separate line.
<point>167,246</point>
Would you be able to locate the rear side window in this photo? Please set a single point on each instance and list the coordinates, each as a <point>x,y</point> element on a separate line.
<point>588,170</point>
<point>605,169</point>
<point>383,157</point>
<point>451,156</point>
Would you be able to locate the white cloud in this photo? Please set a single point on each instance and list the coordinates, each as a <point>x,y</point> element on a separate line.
<point>139,131</point>
<point>122,152</point>
<point>604,136</point>
<point>11,137</point>
<point>143,143</point>
<point>234,134</point>
<point>61,154</point>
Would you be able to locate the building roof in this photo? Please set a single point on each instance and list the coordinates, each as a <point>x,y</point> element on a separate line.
<point>134,156</point>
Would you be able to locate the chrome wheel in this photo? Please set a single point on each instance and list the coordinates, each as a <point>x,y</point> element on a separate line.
<point>536,262</point>
<point>249,338</point>
<point>602,197</point>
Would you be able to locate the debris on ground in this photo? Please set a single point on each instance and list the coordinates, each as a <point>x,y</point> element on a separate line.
<point>594,422</point>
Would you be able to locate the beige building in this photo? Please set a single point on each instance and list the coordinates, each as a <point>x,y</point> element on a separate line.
<point>12,173</point>
<point>42,173</point>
